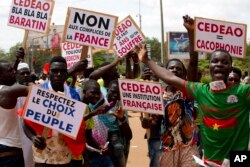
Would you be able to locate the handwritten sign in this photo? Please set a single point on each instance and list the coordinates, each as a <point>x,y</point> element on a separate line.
<point>89,28</point>
<point>54,111</point>
<point>213,34</point>
<point>141,96</point>
<point>127,35</point>
<point>32,15</point>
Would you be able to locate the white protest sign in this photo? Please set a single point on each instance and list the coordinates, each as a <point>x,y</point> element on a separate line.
<point>141,96</point>
<point>127,35</point>
<point>89,28</point>
<point>55,111</point>
<point>71,52</point>
<point>213,34</point>
<point>34,15</point>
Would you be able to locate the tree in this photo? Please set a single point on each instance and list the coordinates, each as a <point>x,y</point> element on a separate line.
<point>2,54</point>
<point>155,48</point>
<point>98,58</point>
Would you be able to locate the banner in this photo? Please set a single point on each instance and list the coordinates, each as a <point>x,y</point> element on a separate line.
<point>54,111</point>
<point>89,28</point>
<point>178,46</point>
<point>31,15</point>
<point>127,35</point>
<point>141,96</point>
<point>213,34</point>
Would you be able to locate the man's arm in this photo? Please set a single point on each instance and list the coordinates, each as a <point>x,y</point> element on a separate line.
<point>9,95</point>
<point>78,67</point>
<point>98,73</point>
<point>38,141</point>
<point>165,75</point>
<point>192,70</point>
<point>19,57</point>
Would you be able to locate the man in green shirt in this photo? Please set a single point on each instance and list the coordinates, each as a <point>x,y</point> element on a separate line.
<point>224,107</point>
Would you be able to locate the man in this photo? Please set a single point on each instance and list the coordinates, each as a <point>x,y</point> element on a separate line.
<point>235,76</point>
<point>224,107</point>
<point>152,122</point>
<point>11,154</point>
<point>57,149</point>
<point>24,78</point>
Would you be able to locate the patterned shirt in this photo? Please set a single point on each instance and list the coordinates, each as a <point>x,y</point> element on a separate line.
<point>178,128</point>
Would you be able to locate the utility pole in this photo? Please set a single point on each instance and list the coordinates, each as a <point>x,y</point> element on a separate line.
<point>139,15</point>
<point>163,58</point>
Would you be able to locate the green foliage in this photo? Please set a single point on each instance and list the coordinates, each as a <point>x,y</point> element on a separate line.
<point>2,54</point>
<point>206,79</point>
<point>155,48</point>
<point>98,58</point>
<point>40,57</point>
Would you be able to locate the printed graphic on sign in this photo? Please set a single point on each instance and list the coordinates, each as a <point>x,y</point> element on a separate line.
<point>213,34</point>
<point>89,28</point>
<point>71,52</point>
<point>141,96</point>
<point>178,46</point>
<point>31,15</point>
<point>127,35</point>
<point>54,111</point>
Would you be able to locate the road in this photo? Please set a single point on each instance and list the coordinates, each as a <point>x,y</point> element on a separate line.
<point>138,146</point>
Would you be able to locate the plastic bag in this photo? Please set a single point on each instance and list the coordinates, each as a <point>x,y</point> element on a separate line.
<point>100,131</point>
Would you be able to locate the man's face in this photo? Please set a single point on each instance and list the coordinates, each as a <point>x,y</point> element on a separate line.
<point>234,78</point>
<point>23,76</point>
<point>58,73</point>
<point>93,94</point>
<point>176,68</point>
<point>247,80</point>
<point>220,66</point>
<point>113,93</point>
<point>8,76</point>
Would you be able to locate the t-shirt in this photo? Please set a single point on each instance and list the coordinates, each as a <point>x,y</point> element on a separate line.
<point>224,118</point>
<point>178,128</point>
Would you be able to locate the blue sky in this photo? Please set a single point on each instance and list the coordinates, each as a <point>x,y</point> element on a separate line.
<point>229,10</point>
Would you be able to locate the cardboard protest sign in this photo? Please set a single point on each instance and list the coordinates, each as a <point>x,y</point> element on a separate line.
<point>178,46</point>
<point>71,52</point>
<point>31,15</point>
<point>55,111</point>
<point>213,34</point>
<point>89,28</point>
<point>127,35</point>
<point>141,96</point>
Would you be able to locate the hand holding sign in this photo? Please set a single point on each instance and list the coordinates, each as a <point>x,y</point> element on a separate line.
<point>143,55</point>
<point>20,54</point>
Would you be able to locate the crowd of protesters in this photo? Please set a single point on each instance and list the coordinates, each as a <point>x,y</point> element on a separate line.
<point>221,106</point>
